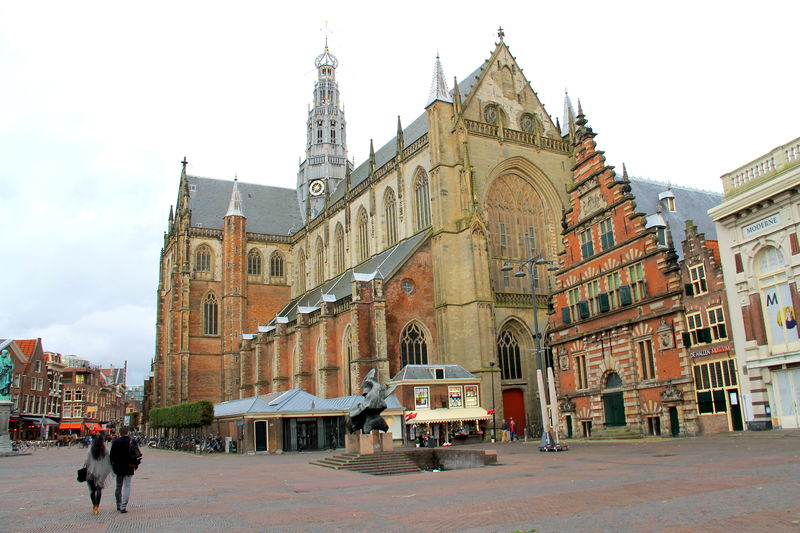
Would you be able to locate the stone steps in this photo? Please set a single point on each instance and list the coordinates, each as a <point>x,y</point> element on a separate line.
<point>376,464</point>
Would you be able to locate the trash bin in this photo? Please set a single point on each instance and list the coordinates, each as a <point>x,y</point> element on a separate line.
<point>232,447</point>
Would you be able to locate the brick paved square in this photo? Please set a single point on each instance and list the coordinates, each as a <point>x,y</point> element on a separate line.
<point>732,482</point>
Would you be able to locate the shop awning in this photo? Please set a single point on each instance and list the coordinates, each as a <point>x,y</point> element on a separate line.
<point>435,416</point>
<point>69,425</point>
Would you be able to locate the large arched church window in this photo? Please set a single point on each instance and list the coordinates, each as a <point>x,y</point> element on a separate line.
<point>319,262</point>
<point>508,355</point>
<point>338,249</point>
<point>422,201</point>
<point>276,265</point>
<point>210,315</point>
<point>202,259</point>
<point>301,273</point>
<point>254,263</point>
<point>350,373</point>
<point>363,235</point>
<point>390,217</point>
<point>519,225</point>
<point>413,346</point>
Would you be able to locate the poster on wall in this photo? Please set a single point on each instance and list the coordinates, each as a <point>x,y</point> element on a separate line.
<point>454,393</point>
<point>420,397</point>
<point>781,316</point>
<point>471,395</point>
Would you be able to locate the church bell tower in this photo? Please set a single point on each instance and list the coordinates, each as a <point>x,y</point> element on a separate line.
<point>326,149</point>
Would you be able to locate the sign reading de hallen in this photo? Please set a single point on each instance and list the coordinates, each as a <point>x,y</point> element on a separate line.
<point>761,225</point>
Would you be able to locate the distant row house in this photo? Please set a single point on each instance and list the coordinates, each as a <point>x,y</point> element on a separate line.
<point>60,396</point>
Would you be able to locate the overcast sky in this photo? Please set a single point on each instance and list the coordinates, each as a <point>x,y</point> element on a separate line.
<point>99,102</point>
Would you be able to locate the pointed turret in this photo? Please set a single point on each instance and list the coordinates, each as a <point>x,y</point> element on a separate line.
<point>568,126</point>
<point>456,96</point>
<point>371,158</point>
<point>400,141</point>
<point>235,205</point>
<point>438,85</point>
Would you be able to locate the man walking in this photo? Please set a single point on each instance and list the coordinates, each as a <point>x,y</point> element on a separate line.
<point>125,458</point>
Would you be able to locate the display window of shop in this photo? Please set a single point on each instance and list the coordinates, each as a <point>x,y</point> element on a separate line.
<point>455,396</point>
<point>470,396</point>
<point>421,397</point>
<point>711,379</point>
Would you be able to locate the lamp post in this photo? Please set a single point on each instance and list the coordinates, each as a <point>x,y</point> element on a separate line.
<point>530,264</point>
<point>494,417</point>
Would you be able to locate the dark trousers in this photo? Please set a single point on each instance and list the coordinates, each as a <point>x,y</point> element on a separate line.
<point>95,492</point>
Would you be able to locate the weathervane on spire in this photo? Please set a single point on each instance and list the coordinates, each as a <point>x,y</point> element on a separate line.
<point>184,162</point>
<point>325,30</point>
<point>501,33</point>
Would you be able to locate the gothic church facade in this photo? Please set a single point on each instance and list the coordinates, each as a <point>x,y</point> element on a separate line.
<point>396,261</point>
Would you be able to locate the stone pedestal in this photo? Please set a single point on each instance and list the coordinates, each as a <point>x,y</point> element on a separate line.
<point>5,415</point>
<point>363,444</point>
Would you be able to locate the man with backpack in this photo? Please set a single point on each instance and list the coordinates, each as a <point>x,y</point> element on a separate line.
<point>125,458</point>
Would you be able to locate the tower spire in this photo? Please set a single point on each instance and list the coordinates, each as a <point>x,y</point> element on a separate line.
<point>326,162</point>
<point>438,85</point>
<point>235,205</point>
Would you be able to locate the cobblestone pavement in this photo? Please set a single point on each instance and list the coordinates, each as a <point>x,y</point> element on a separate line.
<point>732,482</point>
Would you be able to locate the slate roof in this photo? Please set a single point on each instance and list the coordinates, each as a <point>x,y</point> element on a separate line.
<point>426,373</point>
<point>270,210</point>
<point>690,204</point>
<point>381,266</point>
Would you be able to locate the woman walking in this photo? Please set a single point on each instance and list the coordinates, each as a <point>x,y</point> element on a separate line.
<point>98,467</point>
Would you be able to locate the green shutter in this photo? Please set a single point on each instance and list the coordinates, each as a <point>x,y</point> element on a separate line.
<point>625,297</point>
<point>605,304</point>
<point>583,307</point>
<point>565,318</point>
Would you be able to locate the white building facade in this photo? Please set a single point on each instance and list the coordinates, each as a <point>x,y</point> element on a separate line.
<point>757,227</point>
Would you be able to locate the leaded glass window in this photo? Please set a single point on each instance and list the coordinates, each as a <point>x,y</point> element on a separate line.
<point>413,346</point>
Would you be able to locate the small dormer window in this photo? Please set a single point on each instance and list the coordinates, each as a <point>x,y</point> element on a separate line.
<point>662,236</point>
<point>671,203</point>
<point>438,373</point>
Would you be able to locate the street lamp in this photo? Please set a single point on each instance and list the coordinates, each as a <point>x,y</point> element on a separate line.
<point>548,420</point>
<point>494,417</point>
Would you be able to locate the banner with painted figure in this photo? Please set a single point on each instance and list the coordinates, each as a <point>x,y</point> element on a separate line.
<point>781,316</point>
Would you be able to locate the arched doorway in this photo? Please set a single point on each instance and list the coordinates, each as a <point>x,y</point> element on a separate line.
<point>614,401</point>
<point>514,407</point>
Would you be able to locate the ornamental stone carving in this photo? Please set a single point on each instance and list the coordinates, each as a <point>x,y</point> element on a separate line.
<point>567,406</point>
<point>671,394</point>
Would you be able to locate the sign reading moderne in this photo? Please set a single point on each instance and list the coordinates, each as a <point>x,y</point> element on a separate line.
<point>761,225</point>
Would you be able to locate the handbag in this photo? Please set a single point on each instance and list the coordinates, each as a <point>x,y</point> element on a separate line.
<point>82,475</point>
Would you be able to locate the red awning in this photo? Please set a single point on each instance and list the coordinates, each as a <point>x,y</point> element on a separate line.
<point>69,425</point>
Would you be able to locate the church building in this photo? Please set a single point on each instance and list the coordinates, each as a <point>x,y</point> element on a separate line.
<point>400,260</point>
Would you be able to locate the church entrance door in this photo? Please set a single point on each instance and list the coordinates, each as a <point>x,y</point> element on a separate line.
<point>514,407</point>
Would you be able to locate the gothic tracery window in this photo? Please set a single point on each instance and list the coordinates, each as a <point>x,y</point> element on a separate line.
<point>210,315</point>
<point>390,217</point>
<point>338,249</point>
<point>422,202</point>
<point>319,263</point>
<point>508,355</point>
<point>254,263</point>
<point>301,273</point>
<point>202,259</point>
<point>276,265</point>
<point>363,235</point>
<point>519,225</point>
<point>413,346</point>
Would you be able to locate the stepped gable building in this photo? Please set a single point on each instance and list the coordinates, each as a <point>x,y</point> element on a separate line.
<point>758,226</point>
<point>396,261</point>
<point>621,367</point>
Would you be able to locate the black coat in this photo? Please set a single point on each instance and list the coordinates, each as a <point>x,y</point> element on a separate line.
<point>125,456</point>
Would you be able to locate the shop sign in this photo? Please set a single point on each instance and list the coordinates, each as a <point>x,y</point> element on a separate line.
<point>710,351</point>
<point>761,225</point>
